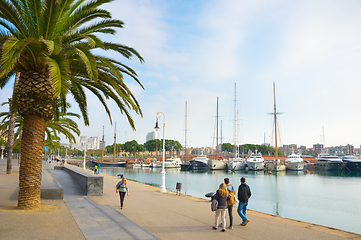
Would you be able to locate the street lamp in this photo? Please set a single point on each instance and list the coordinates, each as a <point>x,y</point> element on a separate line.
<point>162,173</point>
<point>2,152</point>
<point>84,156</point>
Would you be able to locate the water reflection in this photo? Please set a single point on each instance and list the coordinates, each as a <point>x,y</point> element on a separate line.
<point>313,197</point>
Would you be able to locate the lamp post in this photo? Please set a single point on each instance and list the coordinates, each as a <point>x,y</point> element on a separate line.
<point>162,173</point>
<point>66,155</point>
<point>2,152</point>
<point>84,156</point>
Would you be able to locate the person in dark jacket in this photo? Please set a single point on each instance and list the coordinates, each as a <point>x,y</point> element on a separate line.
<point>244,193</point>
<point>221,195</point>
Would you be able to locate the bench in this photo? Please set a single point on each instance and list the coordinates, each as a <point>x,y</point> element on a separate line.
<point>92,185</point>
<point>50,187</point>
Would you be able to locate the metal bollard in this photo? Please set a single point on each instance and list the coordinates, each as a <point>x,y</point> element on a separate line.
<point>179,188</point>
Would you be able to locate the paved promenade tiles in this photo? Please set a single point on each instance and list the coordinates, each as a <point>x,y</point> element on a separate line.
<point>147,214</point>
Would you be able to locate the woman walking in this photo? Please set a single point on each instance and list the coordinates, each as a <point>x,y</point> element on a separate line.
<point>221,195</point>
<point>122,187</point>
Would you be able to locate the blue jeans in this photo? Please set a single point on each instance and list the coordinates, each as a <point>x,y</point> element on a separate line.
<point>242,207</point>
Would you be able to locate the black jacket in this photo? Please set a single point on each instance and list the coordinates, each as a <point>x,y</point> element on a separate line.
<point>222,201</point>
<point>244,192</point>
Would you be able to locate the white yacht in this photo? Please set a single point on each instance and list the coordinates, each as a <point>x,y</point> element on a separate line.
<point>255,162</point>
<point>217,164</point>
<point>173,162</point>
<point>236,164</point>
<point>294,162</point>
<point>329,162</point>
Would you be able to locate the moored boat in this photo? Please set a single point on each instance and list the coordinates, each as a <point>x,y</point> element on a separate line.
<point>236,164</point>
<point>294,162</point>
<point>255,162</point>
<point>200,163</point>
<point>329,162</point>
<point>276,166</point>
<point>352,163</point>
<point>109,164</point>
<point>173,162</point>
<point>217,164</point>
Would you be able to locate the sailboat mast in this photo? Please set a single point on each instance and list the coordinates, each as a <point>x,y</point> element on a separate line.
<point>185,131</point>
<point>217,129</point>
<point>115,140</point>
<point>221,138</point>
<point>275,118</point>
<point>103,144</point>
<point>235,148</point>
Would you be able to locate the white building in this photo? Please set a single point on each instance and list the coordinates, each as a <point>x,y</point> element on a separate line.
<point>95,141</point>
<point>90,143</point>
<point>151,136</point>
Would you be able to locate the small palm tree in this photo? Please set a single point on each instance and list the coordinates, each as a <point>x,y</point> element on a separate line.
<point>53,43</point>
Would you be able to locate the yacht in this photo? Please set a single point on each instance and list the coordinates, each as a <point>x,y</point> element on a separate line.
<point>217,164</point>
<point>173,162</point>
<point>352,163</point>
<point>329,162</point>
<point>236,164</point>
<point>294,162</point>
<point>255,162</point>
<point>200,163</point>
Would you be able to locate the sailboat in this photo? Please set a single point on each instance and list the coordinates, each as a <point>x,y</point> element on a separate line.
<point>276,165</point>
<point>217,164</point>
<point>236,163</point>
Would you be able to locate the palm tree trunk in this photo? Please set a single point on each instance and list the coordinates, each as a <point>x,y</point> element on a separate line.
<point>10,138</point>
<point>31,162</point>
<point>9,166</point>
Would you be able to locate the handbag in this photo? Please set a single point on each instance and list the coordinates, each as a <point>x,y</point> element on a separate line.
<point>214,205</point>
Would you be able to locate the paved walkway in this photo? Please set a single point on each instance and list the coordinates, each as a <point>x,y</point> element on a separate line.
<point>147,214</point>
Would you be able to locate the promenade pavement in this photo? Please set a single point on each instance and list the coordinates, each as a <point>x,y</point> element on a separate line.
<point>147,214</point>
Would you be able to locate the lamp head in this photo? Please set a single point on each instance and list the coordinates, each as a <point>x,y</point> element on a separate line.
<point>156,125</point>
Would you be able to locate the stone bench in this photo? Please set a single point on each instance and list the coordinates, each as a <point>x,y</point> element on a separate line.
<point>50,187</point>
<point>92,185</point>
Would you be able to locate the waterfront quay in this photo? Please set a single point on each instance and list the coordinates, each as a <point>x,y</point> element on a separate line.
<point>157,215</point>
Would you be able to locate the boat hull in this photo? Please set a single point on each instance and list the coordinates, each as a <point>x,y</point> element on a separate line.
<point>109,164</point>
<point>330,166</point>
<point>295,166</point>
<point>255,166</point>
<point>236,166</point>
<point>353,166</point>
<point>276,167</point>
<point>215,164</point>
<point>198,165</point>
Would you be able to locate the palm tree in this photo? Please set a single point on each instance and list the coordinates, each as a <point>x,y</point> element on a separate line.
<point>52,44</point>
<point>60,124</point>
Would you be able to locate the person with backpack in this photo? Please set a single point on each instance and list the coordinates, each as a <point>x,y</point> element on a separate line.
<point>230,202</point>
<point>221,196</point>
<point>122,187</point>
<point>244,193</point>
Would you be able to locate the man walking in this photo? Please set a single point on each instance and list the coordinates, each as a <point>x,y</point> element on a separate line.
<point>244,193</point>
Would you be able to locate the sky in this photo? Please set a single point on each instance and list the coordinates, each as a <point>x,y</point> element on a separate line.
<point>196,51</point>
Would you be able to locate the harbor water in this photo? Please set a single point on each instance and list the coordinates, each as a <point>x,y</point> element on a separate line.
<point>327,198</point>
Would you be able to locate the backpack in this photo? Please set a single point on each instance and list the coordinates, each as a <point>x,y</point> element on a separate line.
<point>214,205</point>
